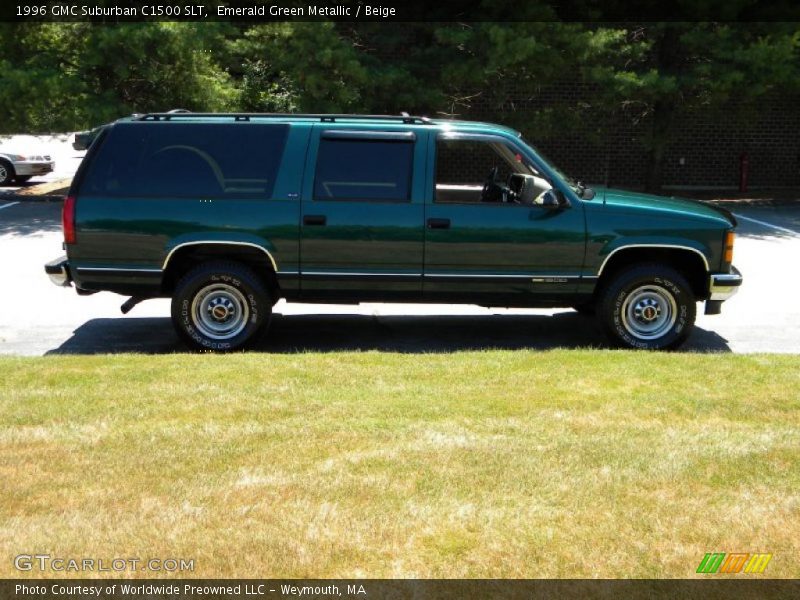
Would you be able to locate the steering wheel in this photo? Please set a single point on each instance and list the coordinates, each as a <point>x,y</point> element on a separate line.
<point>493,191</point>
<point>490,180</point>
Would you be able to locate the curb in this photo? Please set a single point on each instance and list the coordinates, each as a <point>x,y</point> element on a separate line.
<point>46,191</point>
<point>755,202</point>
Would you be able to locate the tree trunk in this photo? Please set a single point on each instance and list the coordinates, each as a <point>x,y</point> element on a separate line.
<point>660,134</point>
<point>668,59</point>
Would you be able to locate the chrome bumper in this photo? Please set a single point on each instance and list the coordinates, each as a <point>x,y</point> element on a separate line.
<point>33,168</point>
<point>58,271</point>
<point>724,285</point>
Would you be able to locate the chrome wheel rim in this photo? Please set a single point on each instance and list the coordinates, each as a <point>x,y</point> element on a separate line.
<point>220,311</point>
<point>649,312</point>
<point>3,173</point>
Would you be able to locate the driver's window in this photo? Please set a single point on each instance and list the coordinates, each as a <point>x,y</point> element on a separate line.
<point>477,171</point>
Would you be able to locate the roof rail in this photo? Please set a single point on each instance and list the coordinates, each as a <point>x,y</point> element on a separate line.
<point>324,118</point>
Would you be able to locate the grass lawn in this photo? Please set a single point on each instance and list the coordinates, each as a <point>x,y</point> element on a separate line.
<point>474,464</point>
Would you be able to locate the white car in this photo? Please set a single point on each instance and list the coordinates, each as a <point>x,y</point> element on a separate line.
<point>21,167</point>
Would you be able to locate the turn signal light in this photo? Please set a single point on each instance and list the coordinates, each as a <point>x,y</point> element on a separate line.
<point>68,219</point>
<point>728,254</point>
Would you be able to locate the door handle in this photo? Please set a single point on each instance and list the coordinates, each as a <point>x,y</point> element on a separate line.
<point>438,223</point>
<point>314,220</point>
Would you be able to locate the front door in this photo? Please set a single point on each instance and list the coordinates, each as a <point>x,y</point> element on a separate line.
<point>486,240</point>
<point>362,215</point>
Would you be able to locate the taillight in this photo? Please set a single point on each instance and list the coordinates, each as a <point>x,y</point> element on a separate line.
<point>728,254</point>
<point>68,219</point>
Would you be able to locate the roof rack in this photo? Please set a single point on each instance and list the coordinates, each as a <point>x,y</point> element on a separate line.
<point>324,118</point>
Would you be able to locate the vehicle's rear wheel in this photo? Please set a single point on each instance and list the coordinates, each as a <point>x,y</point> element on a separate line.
<point>647,306</point>
<point>6,172</point>
<point>220,306</point>
<point>23,178</point>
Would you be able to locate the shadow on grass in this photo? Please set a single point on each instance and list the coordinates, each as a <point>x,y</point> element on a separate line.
<point>406,334</point>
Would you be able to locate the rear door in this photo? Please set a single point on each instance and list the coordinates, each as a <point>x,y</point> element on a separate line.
<point>362,214</point>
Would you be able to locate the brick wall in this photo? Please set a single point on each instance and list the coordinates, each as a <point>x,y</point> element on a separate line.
<point>467,162</point>
<point>710,143</point>
<point>597,151</point>
<point>711,146</point>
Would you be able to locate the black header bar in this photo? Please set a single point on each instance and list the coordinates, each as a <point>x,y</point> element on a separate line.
<point>122,11</point>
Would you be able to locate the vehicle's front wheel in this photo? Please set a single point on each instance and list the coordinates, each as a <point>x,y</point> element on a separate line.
<point>6,172</point>
<point>647,306</point>
<point>220,307</point>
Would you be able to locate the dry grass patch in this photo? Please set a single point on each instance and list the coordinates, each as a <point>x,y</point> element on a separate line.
<point>474,464</point>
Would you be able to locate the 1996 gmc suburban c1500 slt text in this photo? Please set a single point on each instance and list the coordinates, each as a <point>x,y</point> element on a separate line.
<point>227,213</point>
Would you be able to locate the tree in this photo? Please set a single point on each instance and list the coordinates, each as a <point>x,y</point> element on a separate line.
<point>652,72</point>
<point>337,67</point>
<point>500,65</point>
<point>296,66</point>
<point>76,75</point>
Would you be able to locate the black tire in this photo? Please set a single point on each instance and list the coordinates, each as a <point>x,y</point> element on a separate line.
<point>220,307</point>
<point>588,309</point>
<point>7,173</point>
<point>23,178</point>
<point>647,306</point>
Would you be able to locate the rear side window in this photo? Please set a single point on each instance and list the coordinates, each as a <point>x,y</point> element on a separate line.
<point>363,170</point>
<point>235,160</point>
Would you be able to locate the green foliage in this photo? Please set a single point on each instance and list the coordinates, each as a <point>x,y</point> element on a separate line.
<point>695,64</point>
<point>263,90</point>
<point>77,75</point>
<point>504,65</point>
<point>71,76</point>
<point>654,71</point>
<point>297,66</point>
<point>327,67</point>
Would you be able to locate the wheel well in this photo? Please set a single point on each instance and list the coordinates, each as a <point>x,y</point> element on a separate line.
<point>186,258</point>
<point>687,262</point>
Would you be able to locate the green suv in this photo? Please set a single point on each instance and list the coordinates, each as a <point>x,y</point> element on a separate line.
<point>228,213</point>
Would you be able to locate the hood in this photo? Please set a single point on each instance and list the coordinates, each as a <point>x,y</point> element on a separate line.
<point>669,206</point>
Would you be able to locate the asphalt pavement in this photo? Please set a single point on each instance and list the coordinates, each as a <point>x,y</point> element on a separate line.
<point>39,318</point>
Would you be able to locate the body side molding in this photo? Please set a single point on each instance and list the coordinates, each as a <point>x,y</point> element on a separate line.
<point>220,242</point>
<point>673,246</point>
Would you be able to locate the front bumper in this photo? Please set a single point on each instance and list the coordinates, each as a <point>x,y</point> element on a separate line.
<point>724,285</point>
<point>27,168</point>
<point>58,271</point>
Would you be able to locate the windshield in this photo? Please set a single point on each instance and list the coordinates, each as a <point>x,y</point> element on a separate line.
<point>566,178</point>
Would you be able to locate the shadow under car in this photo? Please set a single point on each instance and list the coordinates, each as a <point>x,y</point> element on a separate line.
<point>405,333</point>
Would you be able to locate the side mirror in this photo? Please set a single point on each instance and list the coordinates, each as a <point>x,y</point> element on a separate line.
<point>552,199</point>
<point>549,199</point>
<point>587,193</point>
